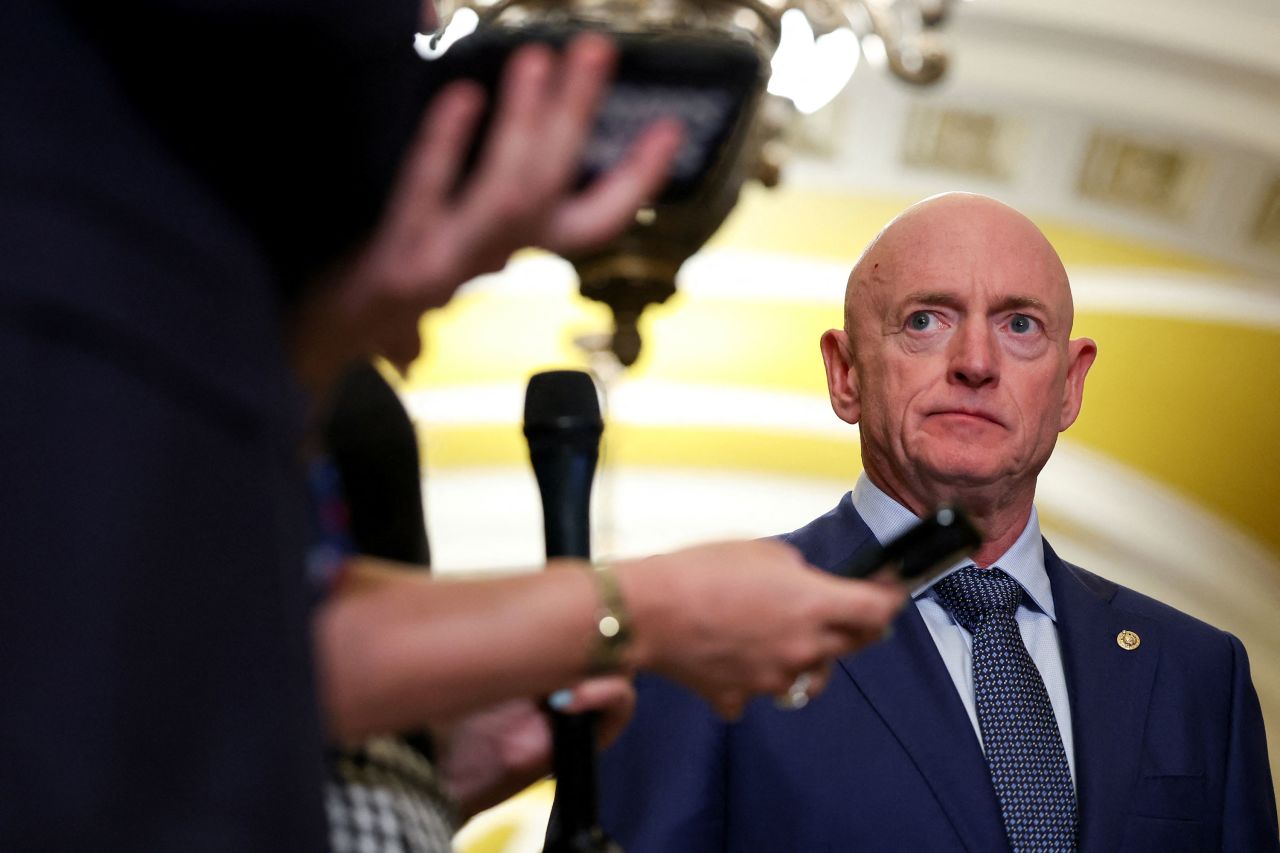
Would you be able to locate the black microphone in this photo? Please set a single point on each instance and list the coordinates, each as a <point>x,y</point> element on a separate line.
<point>931,546</point>
<point>562,425</point>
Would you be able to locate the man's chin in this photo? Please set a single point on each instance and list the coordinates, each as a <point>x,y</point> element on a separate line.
<point>962,473</point>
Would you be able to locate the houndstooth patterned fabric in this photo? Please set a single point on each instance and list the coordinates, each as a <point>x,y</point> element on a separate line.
<point>385,798</point>
<point>1019,732</point>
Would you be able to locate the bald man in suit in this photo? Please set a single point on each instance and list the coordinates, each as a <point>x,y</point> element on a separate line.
<point>956,362</point>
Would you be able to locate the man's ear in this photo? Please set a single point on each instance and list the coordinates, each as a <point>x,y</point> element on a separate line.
<point>1080,355</point>
<point>842,377</point>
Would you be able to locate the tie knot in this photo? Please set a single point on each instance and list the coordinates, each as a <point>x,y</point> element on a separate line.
<point>972,594</point>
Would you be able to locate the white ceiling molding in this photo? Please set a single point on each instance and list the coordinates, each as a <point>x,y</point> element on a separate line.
<point>1201,78</point>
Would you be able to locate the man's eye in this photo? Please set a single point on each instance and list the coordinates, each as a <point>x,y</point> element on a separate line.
<point>921,321</point>
<point>1021,324</point>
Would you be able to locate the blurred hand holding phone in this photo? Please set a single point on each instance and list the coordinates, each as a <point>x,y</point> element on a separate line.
<point>708,84</point>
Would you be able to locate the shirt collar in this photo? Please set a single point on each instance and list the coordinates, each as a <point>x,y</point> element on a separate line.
<point>1024,561</point>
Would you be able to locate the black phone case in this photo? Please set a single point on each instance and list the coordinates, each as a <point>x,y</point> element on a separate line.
<point>704,82</point>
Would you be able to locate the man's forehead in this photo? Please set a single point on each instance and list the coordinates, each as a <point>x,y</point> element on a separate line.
<point>959,263</point>
<point>886,283</point>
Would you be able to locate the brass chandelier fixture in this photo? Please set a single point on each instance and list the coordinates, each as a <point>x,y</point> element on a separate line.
<point>736,72</point>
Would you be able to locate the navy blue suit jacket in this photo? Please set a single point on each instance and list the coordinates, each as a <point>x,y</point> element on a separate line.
<point>1170,750</point>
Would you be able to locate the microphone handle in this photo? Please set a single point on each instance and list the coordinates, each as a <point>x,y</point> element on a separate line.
<point>575,826</point>
<point>564,471</point>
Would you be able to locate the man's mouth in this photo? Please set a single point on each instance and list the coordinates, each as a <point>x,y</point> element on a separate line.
<point>968,414</point>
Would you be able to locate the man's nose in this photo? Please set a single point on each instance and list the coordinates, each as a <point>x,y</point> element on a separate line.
<point>974,356</point>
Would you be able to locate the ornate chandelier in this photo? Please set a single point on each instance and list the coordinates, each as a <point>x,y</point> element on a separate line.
<point>736,72</point>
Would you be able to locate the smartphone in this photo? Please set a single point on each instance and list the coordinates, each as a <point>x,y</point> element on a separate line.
<point>709,84</point>
<point>923,552</point>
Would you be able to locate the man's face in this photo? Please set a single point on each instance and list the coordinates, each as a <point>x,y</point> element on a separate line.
<point>958,337</point>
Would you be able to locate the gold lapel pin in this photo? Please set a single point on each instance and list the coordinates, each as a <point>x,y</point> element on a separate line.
<point>1128,640</point>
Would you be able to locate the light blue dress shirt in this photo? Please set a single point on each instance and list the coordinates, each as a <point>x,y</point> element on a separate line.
<point>1037,621</point>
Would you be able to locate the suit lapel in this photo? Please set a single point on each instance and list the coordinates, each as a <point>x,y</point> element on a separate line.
<point>906,682</point>
<point>1110,688</point>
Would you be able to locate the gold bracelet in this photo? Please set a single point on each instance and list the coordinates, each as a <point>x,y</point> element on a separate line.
<point>613,632</point>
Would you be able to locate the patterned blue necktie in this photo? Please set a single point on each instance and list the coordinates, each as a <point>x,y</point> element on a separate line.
<point>1019,732</point>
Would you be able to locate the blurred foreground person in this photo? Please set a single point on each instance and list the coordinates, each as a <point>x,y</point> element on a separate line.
<point>198,232</point>
<point>1022,703</point>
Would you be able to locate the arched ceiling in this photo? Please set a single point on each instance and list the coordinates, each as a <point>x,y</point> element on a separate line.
<point>1158,122</point>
